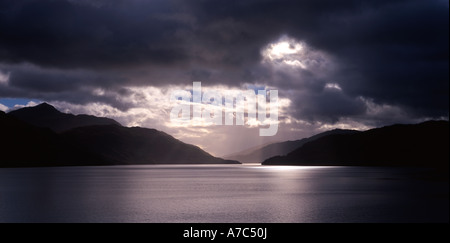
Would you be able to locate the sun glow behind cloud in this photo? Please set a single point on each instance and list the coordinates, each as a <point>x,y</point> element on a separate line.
<point>283,48</point>
<point>286,51</point>
<point>289,52</point>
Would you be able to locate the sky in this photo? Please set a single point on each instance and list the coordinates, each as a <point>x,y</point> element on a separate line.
<point>335,64</point>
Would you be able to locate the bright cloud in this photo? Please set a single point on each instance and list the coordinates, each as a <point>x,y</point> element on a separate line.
<point>333,86</point>
<point>3,107</point>
<point>151,107</point>
<point>283,48</point>
<point>29,104</point>
<point>4,77</point>
<point>293,53</point>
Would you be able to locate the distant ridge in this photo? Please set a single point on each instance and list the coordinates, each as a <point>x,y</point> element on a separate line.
<point>45,115</point>
<point>43,136</point>
<point>424,144</point>
<point>137,145</point>
<point>259,154</point>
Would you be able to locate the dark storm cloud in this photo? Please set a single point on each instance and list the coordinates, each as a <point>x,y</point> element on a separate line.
<point>62,85</point>
<point>327,106</point>
<point>126,33</point>
<point>67,35</point>
<point>398,55</point>
<point>393,52</point>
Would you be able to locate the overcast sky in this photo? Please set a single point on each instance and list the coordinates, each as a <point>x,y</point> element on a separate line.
<point>346,64</point>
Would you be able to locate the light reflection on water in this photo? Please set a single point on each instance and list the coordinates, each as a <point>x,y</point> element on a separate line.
<point>221,193</point>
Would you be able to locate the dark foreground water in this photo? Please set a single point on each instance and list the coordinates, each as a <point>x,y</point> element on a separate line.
<point>222,193</point>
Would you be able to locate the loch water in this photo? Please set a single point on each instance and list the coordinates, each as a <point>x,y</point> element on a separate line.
<point>248,193</point>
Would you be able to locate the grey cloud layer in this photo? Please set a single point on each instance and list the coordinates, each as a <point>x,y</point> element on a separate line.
<point>393,52</point>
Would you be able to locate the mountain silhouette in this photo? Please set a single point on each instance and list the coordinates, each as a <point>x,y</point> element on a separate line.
<point>27,145</point>
<point>39,143</point>
<point>45,115</point>
<point>256,155</point>
<point>424,144</point>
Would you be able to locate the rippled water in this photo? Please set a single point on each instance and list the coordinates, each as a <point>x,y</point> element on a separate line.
<point>221,193</point>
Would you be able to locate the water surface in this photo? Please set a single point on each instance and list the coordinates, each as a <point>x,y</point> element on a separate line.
<point>221,193</point>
